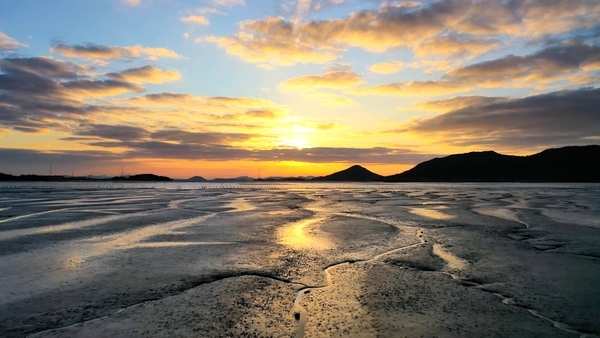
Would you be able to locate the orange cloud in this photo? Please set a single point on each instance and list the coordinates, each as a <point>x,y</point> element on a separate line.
<point>331,80</point>
<point>146,74</point>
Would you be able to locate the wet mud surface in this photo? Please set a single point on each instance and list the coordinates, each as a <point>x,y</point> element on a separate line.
<point>301,261</point>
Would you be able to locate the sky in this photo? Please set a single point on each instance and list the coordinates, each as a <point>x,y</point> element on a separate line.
<point>226,88</point>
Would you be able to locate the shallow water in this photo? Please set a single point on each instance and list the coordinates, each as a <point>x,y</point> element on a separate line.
<point>102,253</point>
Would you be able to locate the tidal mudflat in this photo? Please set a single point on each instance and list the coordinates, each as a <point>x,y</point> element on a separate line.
<point>300,260</point>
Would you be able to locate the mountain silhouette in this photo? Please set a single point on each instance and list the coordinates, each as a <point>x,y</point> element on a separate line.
<point>355,173</point>
<point>142,177</point>
<point>567,164</point>
<point>196,179</point>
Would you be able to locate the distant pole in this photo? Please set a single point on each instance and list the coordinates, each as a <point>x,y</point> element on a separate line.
<point>51,170</point>
<point>259,173</point>
<point>121,171</point>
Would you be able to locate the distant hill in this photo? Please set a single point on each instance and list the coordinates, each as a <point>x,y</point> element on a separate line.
<point>355,173</point>
<point>142,177</point>
<point>38,178</point>
<point>196,179</point>
<point>235,179</point>
<point>568,164</point>
<point>48,178</point>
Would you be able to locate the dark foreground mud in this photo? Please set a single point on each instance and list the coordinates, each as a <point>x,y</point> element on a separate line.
<point>301,261</point>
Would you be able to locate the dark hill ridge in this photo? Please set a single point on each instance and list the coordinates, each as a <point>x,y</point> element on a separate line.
<point>142,178</point>
<point>568,164</point>
<point>196,179</point>
<point>355,173</point>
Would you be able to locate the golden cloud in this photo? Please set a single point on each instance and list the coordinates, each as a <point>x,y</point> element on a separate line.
<point>147,74</point>
<point>331,80</point>
<point>330,99</point>
<point>273,53</point>
<point>420,88</point>
<point>386,67</point>
<point>546,66</point>
<point>564,16</point>
<point>450,46</point>
<point>458,102</point>
<point>196,19</point>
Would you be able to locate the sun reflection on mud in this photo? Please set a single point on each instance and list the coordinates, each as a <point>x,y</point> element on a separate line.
<point>300,235</point>
<point>430,213</point>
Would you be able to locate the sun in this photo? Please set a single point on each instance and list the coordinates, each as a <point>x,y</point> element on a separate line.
<point>295,137</point>
<point>297,141</point>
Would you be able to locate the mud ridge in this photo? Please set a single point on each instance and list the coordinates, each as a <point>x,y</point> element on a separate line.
<point>511,302</point>
<point>188,285</point>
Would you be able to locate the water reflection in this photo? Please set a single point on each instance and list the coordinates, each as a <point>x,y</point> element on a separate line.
<point>430,213</point>
<point>453,262</point>
<point>301,235</point>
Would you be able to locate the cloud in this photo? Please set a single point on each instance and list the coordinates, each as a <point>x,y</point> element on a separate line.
<point>331,80</point>
<point>101,52</point>
<point>146,74</point>
<point>9,44</point>
<point>196,19</point>
<point>420,88</point>
<point>372,30</point>
<point>21,161</point>
<point>190,101</point>
<point>133,2</point>
<point>546,65</point>
<point>339,66</point>
<point>445,28</point>
<point>452,46</point>
<point>564,16</point>
<point>193,110</point>
<point>551,64</point>
<point>112,132</point>
<point>553,119</point>
<point>85,89</point>
<point>42,93</point>
<point>200,138</point>
<point>44,66</point>
<point>281,42</point>
<point>459,102</point>
<point>386,67</point>
<point>271,42</point>
<point>228,3</point>
<point>218,152</point>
